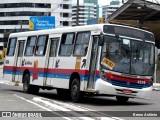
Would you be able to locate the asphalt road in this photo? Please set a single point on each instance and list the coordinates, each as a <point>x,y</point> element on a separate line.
<point>48,103</point>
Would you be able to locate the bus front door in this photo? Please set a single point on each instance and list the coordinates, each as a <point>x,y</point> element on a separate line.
<point>51,61</point>
<point>18,61</point>
<point>93,63</point>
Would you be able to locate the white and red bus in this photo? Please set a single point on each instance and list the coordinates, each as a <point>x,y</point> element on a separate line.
<point>108,59</point>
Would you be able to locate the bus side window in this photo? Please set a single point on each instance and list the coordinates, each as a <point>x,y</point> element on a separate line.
<point>81,46</point>
<point>30,46</point>
<point>54,46</point>
<point>41,45</point>
<point>11,46</point>
<point>66,44</point>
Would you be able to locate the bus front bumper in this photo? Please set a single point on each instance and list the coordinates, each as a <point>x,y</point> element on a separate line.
<point>103,87</point>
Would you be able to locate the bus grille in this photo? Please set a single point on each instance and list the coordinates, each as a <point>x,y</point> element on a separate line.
<point>128,84</point>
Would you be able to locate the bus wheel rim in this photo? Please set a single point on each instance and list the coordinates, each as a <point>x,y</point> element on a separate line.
<point>74,90</point>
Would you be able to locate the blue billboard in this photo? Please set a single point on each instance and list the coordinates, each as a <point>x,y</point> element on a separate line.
<point>95,21</point>
<point>41,22</point>
<point>92,21</point>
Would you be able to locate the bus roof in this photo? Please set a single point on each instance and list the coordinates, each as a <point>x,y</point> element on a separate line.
<point>67,29</point>
<point>58,30</point>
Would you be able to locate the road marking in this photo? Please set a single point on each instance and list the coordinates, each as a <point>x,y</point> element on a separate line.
<point>6,83</point>
<point>41,106</point>
<point>54,106</point>
<point>58,107</point>
<point>32,103</point>
<point>2,82</point>
<point>64,105</point>
<point>74,108</point>
<point>116,118</point>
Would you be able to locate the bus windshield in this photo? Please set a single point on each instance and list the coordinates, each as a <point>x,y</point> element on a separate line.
<point>127,56</point>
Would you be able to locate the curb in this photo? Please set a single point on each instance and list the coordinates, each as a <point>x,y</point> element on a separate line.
<point>156,86</point>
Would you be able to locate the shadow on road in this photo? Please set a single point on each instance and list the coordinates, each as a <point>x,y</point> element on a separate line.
<point>89,100</point>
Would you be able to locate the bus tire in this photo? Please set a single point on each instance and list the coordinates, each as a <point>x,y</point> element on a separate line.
<point>122,99</point>
<point>76,94</point>
<point>27,88</point>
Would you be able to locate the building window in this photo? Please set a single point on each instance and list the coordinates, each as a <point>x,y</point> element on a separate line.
<point>65,6</point>
<point>31,42</point>
<point>66,44</point>
<point>65,14</point>
<point>54,46</point>
<point>11,46</point>
<point>65,23</point>
<point>15,5</point>
<point>25,13</point>
<point>21,48</point>
<point>81,45</point>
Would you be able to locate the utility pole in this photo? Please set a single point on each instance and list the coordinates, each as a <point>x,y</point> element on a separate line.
<point>21,25</point>
<point>77,17</point>
<point>89,11</point>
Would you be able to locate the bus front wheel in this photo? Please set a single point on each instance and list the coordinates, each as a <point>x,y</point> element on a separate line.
<point>122,99</point>
<point>76,95</point>
<point>27,88</point>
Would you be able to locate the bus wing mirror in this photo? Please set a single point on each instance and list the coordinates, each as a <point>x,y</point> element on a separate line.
<point>101,40</point>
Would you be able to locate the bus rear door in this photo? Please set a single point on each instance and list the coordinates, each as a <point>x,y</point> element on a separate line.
<point>40,60</point>
<point>18,61</point>
<point>51,61</point>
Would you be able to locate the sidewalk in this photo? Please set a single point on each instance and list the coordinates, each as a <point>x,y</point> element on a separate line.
<point>156,86</point>
<point>4,81</point>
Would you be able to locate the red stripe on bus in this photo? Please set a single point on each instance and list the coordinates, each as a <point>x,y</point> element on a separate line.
<point>56,70</point>
<point>126,78</point>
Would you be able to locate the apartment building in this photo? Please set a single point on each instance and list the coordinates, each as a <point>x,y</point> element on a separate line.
<point>15,15</point>
<point>109,9</point>
<point>86,11</point>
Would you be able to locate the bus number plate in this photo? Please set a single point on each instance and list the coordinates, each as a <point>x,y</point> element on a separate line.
<point>126,91</point>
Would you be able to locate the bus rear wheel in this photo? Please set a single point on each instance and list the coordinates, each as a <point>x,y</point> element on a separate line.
<point>27,88</point>
<point>76,94</point>
<point>122,99</point>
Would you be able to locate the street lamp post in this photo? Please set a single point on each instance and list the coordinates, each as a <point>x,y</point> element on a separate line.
<point>21,25</point>
<point>77,16</point>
